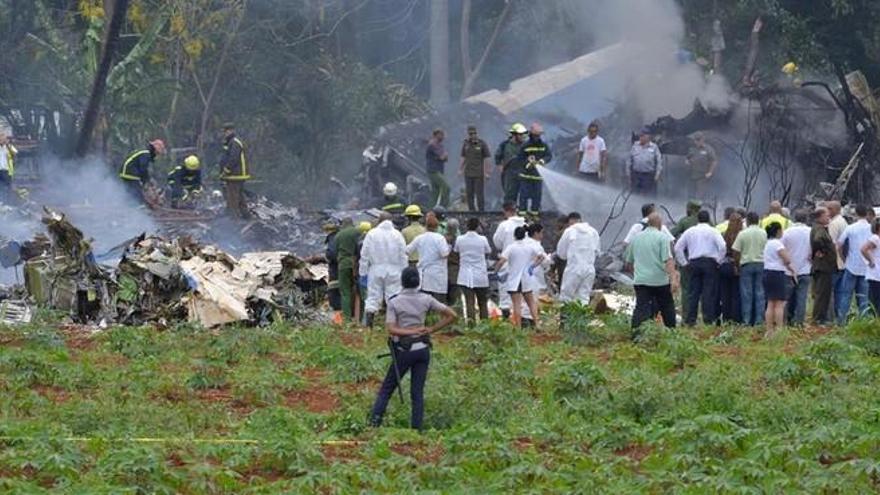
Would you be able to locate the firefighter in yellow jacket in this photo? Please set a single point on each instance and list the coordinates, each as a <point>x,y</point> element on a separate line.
<point>234,172</point>
<point>7,167</point>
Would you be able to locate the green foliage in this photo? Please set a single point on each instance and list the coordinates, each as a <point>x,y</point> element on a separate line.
<point>507,411</point>
<point>579,379</point>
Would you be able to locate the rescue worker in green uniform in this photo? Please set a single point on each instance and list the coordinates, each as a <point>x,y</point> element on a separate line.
<point>135,170</point>
<point>346,253</point>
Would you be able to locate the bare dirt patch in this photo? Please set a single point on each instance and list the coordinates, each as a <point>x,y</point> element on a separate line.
<point>370,384</point>
<point>80,337</point>
<point>352,339</point>
<point>223,395</point>
<point>635,452</point>
<point>316,399</point>
<point>55,394</point>
<point>430,454</point>
<point>313,374</point>
<point>334,453</point>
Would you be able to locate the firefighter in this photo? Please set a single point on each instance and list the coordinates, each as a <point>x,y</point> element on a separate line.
<point>535,154</point>
<point>7,167</point>
<point>185,180</point>
<point>507,158</point>
<point>234,172</point>
<point>391,200</point>
<point>135,171</point>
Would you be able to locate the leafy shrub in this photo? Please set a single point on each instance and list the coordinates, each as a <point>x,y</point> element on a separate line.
<point>834,355</point>
<point>576,380</point>
<point>678,346</point>
<point>207,375</point>
<point>865,333</point>
<point>28,369</point>
<point>133,342</point>
<point>642,397</point>
<point>792,371</point>
<point>581,327</point>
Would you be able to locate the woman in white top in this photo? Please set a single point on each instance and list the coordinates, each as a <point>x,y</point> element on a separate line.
<point>871,252</point>
<point>535,237</point>
<point>433,251</point>
<point>473,275</point>
<point>778,270</point>
<point>521,258</point>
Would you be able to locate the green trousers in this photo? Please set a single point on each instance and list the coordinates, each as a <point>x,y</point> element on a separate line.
<point>346,290</point>
<point>439,190</point>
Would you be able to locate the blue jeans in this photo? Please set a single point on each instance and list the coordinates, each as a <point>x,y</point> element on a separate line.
<point>530,190</point>
<point>851,283</point>
<point>751,289</point>
<point>796,309</point>
<point>836,286</point>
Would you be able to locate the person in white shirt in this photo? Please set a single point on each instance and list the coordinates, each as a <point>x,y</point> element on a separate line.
<point>473,276</point>
<point>702,249</point>
<point>579,246</point>
<point>521,259</point>
<point>383,257</point>
<point>593,155</point>
<point>535,236</point>
<point>502,238</point>
<point>796,240</point>
<point>433,251</point>
<point>870,251</point>
<point>638,227</point>
<point>853,278</point>
<point>779,273</point>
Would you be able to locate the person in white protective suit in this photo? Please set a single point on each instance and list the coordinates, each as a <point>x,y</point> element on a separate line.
<point>504,237</point>
<point>383,258</point>
<point>579,246</point>
<point>433,251</point>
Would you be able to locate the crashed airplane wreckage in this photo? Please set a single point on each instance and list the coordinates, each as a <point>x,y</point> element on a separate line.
<point>163,281</point>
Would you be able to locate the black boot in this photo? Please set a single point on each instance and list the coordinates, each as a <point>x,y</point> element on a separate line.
<point>368,320</point>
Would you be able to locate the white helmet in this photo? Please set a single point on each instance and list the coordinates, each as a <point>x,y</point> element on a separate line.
<point>390,189</point>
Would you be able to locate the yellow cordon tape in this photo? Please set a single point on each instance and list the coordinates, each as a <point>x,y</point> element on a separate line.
<point>219,441</point>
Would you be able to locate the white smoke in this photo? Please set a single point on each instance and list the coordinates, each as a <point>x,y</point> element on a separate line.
<point>661,79</point>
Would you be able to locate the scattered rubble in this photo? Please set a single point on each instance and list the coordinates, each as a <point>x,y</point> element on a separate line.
<point>161,281</point>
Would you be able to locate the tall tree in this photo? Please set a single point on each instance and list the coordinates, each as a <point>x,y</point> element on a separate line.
<point>111,41</point>
<point>439,52</point>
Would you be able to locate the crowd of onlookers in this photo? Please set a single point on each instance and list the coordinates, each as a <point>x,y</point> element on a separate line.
<point>756,269</point>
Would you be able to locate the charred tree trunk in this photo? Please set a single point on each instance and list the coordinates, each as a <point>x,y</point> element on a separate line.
<point>752,58</point>
<point>111,42</point>
<point>439,52</point>
<point>472,73</point>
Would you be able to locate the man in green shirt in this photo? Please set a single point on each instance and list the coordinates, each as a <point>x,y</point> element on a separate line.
<point>748,250</point>
<point>655,278</point>
<point>413,215</point>
<point>346,252</point>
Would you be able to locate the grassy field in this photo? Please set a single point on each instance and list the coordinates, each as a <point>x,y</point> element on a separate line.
<point>283,410</point>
